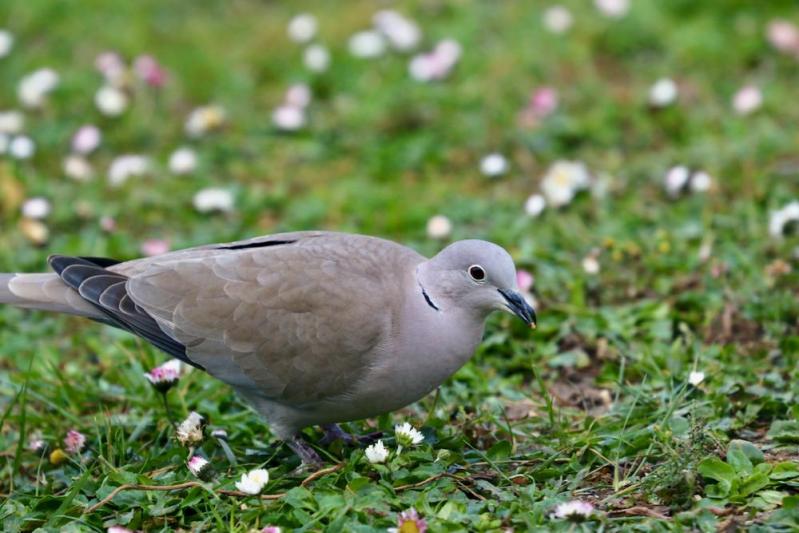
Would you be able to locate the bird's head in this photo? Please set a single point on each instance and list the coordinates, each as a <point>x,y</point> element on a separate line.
<point>477,276</point>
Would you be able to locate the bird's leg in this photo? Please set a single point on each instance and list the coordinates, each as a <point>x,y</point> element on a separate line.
<point>304,451</point>
<point>334,432</point>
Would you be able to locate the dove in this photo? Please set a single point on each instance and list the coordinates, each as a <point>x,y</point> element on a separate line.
<point>311,328</point>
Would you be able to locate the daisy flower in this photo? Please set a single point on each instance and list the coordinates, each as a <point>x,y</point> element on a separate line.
<point>253,481</point>
<point>190,431</point>
<point>74,441</point>
<point>573,510</point>
<point>164,377</point>
<point>377,452</point>
<point>409,522</point>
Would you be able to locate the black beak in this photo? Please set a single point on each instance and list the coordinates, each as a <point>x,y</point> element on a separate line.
<point>517,304</point>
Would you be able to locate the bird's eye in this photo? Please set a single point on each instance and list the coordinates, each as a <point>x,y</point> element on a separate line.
<point>477,273</point>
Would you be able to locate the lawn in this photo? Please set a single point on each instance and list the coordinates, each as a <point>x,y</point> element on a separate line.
<point>645,161</point>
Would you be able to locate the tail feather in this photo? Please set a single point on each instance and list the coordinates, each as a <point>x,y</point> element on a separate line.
<point>45,292</point>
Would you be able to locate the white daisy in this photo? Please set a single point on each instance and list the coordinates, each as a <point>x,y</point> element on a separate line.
<point>407,435</point>
<point>302,28</point>
<point>573,510</point>
<point>37,208</point>
<point>493,165</point>
<point>535,205</point>
<point>183,161</point>
<point>367,44</point>
<point>563,181</point>
<point>377,452</point>
<point>253,481</point>
<point>190,431</point>
<point>213,199</point>
<point>316,58</point>
<point>439,227</point>
<point>663,92</point>
<point>558,19</point>
<point>110,101</point>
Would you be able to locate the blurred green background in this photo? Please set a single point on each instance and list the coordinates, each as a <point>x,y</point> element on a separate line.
<point>639,280</point>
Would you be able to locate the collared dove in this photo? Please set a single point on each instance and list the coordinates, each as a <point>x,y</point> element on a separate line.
<point>312,328</point>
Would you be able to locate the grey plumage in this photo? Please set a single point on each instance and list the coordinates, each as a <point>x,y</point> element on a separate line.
<point>310,327</point>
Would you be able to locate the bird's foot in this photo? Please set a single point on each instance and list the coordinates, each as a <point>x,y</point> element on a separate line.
<point>333,432</point>
<point>305,452</point>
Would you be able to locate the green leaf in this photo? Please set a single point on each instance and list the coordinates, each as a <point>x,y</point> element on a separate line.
<point>785,470</point>
<point>737,459</point>
<point>716,469</point>
<point>500,450</point>
<point>753,483</point>
<point>741,449</point>
<point>767,500</point>
<point>785,431</point>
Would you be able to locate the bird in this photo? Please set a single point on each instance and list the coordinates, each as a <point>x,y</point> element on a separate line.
<point>311,328</point>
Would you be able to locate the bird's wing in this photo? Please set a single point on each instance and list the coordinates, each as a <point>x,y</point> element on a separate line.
<point>298,317</point>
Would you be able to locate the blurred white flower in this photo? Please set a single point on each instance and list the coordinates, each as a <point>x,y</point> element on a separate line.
<point>272,529</point>
<point>86,139</point>
<point>6,42</point>
<point>127,166</point>
<point>302,28</point>
<point>701,181</point>
<point>153,247</point>
<point>782,218</point>
<point>190,431</point>
<point>439,227</point>
<point>36,208</point>
<point>367,44</point>
<point>437,64</point>
<point>36,442</point>
<point>112,67</point>
<point>21,147</point>
<point>407,435</point>
<point>298,95</point>
<point>747,100</point>
<point>493,165</point>
<point>591,264</point>
<point>11,122</point>
<point>695,378</point>
<point>573,510</point>
<point>108,224</point>
<point>204,119</point>
<point>676,180</point>
<point>663,92</point>
<point>783,36</point>
<point>376,453</point>
<point>558,19</point>
<point>200,467</point>
<point>34,230</point>
<point>213,199</point>
<point>74,441</point>
<point>111,101</point>
<point>402,33</point>
<point>183,161</point>
<point>34,88</point>
<point>316,58</point>
<point>563,181</point>
<point>613,8</point>
<point>288,118</point>
<point>253,482</point>
<point>535,205</point>
<point>78,168</point>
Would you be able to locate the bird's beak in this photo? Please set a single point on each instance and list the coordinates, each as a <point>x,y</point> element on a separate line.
<point>516,303</point>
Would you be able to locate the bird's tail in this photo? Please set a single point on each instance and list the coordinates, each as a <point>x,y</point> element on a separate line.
<point>45,292</point>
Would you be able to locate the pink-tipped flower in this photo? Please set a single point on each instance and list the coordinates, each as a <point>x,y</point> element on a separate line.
<point>784,36</point>
<point>36,443</point>
<point>747,100</point>
<point>153,247</point>
<point>543,102</point>
<point>200,468</point>
<point>524,280</point>
<point>150,71</point>
<point>164,377</point>
<point>86,139</point>
<point>272,529</point>
<point>409,522</point>
<point>574,510</point>
<point>74,441</point>
<point>120,529</point>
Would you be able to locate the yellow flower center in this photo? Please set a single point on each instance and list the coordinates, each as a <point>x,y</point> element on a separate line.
<point>409,527</point>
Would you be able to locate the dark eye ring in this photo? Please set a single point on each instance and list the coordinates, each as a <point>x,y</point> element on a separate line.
<point>477,273</point>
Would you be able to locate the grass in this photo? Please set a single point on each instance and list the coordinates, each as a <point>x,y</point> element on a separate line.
<point>595,405</point>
